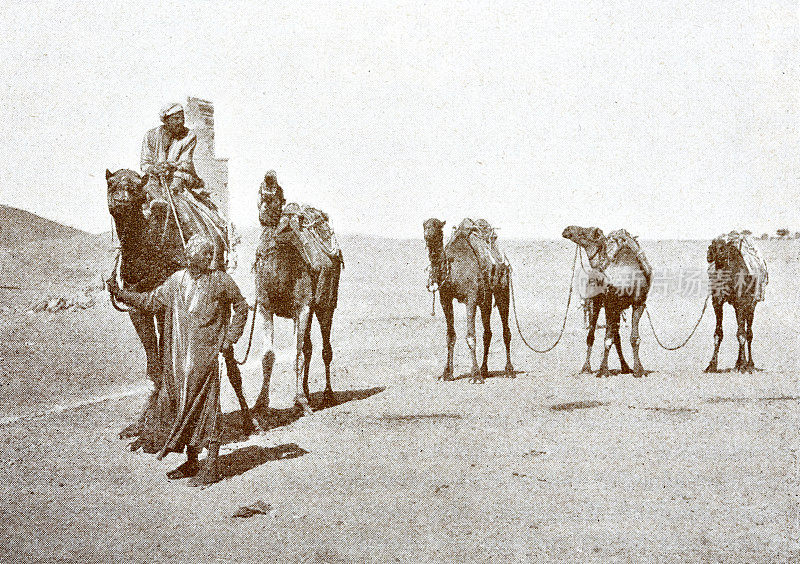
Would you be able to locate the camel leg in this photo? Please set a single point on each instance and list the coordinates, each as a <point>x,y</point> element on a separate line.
<point>486,321</point>
<point>447,308</point>
<point>302,321</point>
<point>307,351</point>
<point>502,299</point>
<point>268,360</point>
<point>587,366</point>
<point>741,336</point>
<point>146,330</point>
<point>713,364</point>
<point>249,423</point>
<point>750,366</point>
<point>624,368</point>
<point>325,319</point>
<point>475,375</point>
<point>638,370</point>
<point>612,326</point>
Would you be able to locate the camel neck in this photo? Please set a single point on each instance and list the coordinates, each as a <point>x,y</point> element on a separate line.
<point>438,259</point>
<point>130,229</point>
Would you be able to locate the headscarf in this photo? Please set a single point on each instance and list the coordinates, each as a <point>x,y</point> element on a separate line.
<point>197,244</point>
<point>169,109</point>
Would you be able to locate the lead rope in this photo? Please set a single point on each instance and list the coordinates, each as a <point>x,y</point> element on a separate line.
<point>696,325</point>
<point>566,312</point>
<point>254,309</point>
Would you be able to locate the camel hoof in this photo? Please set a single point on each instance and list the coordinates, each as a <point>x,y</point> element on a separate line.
<point>603,373</point>
<point>627,370</point>
<point>131,431</point>
<point>587,369</point>
<point>447,376</point>
<point>510,371</point>
<point>711,368</point>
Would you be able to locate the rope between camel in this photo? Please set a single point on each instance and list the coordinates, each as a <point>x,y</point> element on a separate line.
<point>696,325</point>
<point>566,312</point>
<point>254,309</point>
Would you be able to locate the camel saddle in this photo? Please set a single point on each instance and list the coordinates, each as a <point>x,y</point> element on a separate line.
<point>624,239</point>
<point>308,230</point>
<point>482,237</point>
<point>753,260</point>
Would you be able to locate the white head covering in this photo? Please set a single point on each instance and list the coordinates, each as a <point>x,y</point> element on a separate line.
<point>169,109</point>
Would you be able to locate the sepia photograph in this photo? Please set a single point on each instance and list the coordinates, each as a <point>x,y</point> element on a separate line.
<point>416,282</point>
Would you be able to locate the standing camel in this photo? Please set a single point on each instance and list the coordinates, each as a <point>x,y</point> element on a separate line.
<point>297,278</point>
<point>731,280</point>
<point>150,251</point>
<point>469,271</point>
<point>624,277</point>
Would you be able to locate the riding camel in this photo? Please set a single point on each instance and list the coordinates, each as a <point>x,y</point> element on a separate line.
<point>472,270</point>
<point>737,274</point>
<point>150,251</point>
<point>621,280</point>
<point>297,269</point>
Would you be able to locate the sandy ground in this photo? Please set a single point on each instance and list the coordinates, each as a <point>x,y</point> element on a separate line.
<point>550,466</point>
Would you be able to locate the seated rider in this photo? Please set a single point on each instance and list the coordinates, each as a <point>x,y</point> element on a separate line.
<point>168,162</point>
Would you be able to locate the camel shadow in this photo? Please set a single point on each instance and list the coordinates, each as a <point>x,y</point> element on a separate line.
<point>271,418</point>
<point>615,372</point>
<point>734,369</point>
<point>492,374</point>
<point>243,459</point>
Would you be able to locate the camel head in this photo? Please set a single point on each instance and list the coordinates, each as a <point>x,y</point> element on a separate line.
<point>433,232</point>
<point>591,239</point>
<point>721,253</point>
<point>271,200</point>
<point>125,191</point>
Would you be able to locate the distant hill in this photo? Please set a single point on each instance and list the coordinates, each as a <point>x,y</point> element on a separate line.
<point>19,227</point>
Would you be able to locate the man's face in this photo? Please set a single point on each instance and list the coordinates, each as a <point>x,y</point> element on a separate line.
<point>174,122</point>
<point>201,260</point>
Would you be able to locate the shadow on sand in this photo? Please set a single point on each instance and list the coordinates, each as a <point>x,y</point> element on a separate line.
<point>492,374</point>
<point>273,418</point>
<point>243,459</point>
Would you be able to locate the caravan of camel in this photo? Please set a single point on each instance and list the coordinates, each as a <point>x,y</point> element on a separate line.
<point>298,265</point>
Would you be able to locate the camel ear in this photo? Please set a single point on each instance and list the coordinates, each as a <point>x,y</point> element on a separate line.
<point>597,233</point>
<point>108,175</point>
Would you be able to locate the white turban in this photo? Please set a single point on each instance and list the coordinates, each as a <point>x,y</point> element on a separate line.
<point>170,109</point>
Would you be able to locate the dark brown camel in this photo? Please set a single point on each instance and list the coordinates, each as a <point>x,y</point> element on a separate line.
<point>624,282</point>
<point>730,281</point>
<point>151,250</point>
<point>289,287</point>
<point>461,272</point>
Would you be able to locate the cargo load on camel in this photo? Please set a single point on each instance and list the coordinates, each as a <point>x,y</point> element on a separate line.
<point>753,260</point>
<point>482,238</point>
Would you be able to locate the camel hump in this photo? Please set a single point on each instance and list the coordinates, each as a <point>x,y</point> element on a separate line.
<point>482,237</point>
<point>624,239</point>
<point>752,257</point>
<point>313,236</point>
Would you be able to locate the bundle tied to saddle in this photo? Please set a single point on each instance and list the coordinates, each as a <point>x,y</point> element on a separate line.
<point>482,238</point>
<point>753,260</point>
<point>599,279</point>
<point>308,230</point>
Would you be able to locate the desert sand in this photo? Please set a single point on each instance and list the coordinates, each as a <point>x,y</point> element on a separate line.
<point>549,466</point>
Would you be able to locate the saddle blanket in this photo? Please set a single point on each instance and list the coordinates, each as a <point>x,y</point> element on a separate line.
<point>482,237</point>
<point>753,260</point>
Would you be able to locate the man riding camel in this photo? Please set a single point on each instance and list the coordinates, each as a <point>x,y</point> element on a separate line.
<point>173,187</point>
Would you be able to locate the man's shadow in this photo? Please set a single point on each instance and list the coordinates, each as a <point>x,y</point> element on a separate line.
<point>241,460</point>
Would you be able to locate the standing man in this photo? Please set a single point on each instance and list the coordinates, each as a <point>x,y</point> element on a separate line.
<point>198,325</point>
<point>168,163</point>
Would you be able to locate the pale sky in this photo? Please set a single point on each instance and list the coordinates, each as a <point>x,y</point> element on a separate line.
<point>674,120</point>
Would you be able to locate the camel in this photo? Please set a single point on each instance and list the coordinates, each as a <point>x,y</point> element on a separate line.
<point>732,282</point>
<point>624,278</point>
<point>150,251</point>
<point>475,278</point>
<point>295,280</point>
